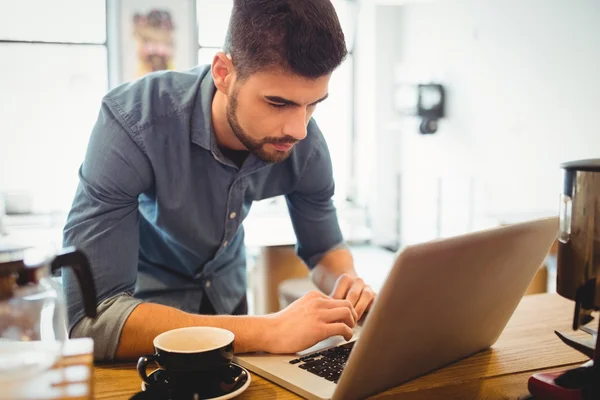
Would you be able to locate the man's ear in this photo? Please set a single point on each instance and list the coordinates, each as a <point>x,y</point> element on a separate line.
<point>223,72</point>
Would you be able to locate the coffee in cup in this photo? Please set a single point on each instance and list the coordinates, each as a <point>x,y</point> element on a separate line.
<point>190,351</point>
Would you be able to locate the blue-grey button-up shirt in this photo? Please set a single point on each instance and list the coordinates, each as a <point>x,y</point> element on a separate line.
<point>159,209</point>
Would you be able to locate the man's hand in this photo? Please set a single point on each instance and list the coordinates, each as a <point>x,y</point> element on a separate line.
<point>309,320</point>
<point>335,274</point>
<point>354,290</point>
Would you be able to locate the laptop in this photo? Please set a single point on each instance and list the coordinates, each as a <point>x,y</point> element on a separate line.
<point>442,301</point>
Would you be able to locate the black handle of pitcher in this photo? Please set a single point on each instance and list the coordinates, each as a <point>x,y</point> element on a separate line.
<point>79,263</point>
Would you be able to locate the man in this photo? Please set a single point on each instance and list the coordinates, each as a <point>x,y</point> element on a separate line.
<point>174,163</point>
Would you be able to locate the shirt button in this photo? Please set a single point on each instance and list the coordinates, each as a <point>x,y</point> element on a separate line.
<point>232,215</point>
<point>225,243</point>
<point>207,284</point>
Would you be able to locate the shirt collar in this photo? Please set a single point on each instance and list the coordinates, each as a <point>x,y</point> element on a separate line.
<point>203,133</point>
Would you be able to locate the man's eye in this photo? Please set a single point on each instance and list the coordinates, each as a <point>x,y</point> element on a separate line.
<point>276,105</point>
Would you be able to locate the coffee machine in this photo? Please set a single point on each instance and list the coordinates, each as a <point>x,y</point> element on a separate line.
<point>578,279</point>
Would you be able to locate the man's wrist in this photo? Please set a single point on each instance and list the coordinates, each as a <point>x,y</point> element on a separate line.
<point>263,334</point>
<point>333,264</point>
<point>325,278</point>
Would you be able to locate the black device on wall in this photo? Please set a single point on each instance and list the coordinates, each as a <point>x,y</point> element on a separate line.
<point>430,106</point>
<point>422,100</point>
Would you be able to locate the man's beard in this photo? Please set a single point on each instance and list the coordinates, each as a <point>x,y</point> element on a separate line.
<point>256,147</point>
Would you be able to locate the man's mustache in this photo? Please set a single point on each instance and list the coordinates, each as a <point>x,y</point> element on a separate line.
<point>280,140</point>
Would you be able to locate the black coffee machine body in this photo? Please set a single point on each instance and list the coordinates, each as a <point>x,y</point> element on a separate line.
<point>578,279</point>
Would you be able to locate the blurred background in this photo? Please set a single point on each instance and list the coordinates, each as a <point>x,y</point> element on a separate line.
<point>446,117</point>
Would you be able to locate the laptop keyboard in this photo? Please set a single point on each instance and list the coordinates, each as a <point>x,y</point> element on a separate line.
<point>327,364</point>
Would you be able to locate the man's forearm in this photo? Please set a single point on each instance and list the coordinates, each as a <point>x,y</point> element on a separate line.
<point>333,264</point>
<point>149,320</point>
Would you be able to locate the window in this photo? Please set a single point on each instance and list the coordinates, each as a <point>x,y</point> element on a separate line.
<point>213,18</point>
<point>52,78</point>
<point>65,21</point>
<point>55,72</point>
<point>334,117</point>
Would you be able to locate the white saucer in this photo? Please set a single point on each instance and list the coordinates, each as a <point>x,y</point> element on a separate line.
<point>228,395</point>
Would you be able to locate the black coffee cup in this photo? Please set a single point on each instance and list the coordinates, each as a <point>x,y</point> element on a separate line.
<point>190,351</point>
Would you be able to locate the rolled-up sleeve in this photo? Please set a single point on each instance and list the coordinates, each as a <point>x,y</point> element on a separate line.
<point>104,224</point>
<point>311,207</point>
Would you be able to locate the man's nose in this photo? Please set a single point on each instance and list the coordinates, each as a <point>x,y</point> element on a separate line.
<point>296,125</point>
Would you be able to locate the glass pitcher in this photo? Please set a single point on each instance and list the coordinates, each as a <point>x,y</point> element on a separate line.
<point>33,318</point>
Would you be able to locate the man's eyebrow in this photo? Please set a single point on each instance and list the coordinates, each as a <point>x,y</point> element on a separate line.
<point>281,100</point>
<point>320,100</point>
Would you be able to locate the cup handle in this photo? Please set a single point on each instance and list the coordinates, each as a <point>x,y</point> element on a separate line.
<point>237,378</point>
<point>143,363</point>
<point>233,383</point>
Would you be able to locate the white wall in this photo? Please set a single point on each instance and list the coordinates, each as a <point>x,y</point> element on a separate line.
<point>375,172</point>
<point>523,85</point>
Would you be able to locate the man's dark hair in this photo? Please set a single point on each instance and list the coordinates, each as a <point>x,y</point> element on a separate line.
<point>303,37</point>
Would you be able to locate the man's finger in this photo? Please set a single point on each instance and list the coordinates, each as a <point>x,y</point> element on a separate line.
<point>339,328</point>
<point>365,301</point>
<point>355,291</point>
<point>341,287</point>
<point>342,314</point>
<point>334,303</point>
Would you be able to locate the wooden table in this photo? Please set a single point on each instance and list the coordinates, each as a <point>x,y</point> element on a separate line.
<point>527,345</point>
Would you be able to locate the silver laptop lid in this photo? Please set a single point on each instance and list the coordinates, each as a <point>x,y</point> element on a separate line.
<point>444,300</point>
